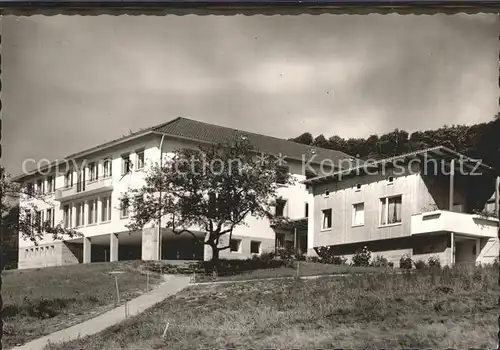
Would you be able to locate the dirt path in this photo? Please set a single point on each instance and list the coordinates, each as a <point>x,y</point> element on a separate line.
<point>171,286</point>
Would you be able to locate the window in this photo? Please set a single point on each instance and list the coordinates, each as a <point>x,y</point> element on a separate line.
<point>358,187</point>
<point>139,200</point>
<point>124,206</point>
<point>140,159</point>
<point>358,214</point>
<point>310,174</point>
<point>107,167</point>
<point>50,184</point>
<point>93,171</point>
<point>40,186</point>
<point>280,207</point>
<point>125,164</point>
<point>80,185</point>
<point>67,216</point>
<point>29,188</point>
<point>92,217</point>
<point>280,240</point>
<point>490,207</point>
<point>474,249</point>
<point>326,194</point>
<point>235,245</point>
<point>68,179</point>
<point>254,247</point>
<point>80,214</point>
<point>281,174</point>
<point>390,180</point>
<point>28,220</point>
<point>53,249</point>
<point>306,210</point>
<point>106,209</point>
<point>327,219</point>
<point>390,210</point>
<point>38,221</point>
<point>49,216</point>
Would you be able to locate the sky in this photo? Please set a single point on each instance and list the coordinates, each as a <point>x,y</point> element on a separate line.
<point>73,82</point>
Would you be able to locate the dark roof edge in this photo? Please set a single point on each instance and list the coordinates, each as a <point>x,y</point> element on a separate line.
<point>376,164</point>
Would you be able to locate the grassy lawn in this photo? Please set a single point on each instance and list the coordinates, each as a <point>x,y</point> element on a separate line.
<point>426,309</point>
<point>40,301</point>
<point>304,269</point>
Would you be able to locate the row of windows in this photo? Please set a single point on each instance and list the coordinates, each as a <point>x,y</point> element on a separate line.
<point>389,213</point>
<point>281,208</point>
<point>235,246</point>
<point>40,217</point>
<point>39,252</point>
<point>83,215</point>
<point>47,185</point>
<point>90,217</point>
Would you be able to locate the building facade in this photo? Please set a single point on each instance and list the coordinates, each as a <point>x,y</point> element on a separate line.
<point>85,192</point>
<point>421,204</point>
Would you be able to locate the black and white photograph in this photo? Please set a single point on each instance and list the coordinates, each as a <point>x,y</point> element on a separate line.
<point>250,181</point>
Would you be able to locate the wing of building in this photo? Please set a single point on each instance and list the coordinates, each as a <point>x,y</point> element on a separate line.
<point>433,202</point>
<point>84,191</point>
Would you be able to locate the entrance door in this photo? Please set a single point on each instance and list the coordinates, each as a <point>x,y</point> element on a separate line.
<point>465,251</point>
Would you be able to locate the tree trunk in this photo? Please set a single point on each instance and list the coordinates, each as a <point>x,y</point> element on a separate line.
<point>215,261</point>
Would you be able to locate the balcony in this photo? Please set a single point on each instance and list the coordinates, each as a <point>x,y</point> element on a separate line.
<point>84,189</point>
<point>460,223</point>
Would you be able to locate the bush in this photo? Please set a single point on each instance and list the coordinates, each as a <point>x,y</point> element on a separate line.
<point>266,256</point>
<point>390,264</point>
<point>420,265</point>
<point>326,256</point>
<point>405,262</point>
<point>285,254</point>
<point>313,259</point>
<point>361,257</point>
<point>380,261</point>
<point>434,261</point>
<point>337,260</point>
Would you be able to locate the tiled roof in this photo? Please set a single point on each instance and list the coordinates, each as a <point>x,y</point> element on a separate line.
<point>199,131</point>
<point>193,129</point>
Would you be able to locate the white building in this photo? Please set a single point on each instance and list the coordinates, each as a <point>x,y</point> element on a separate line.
<point>84,192</point>
<point>411,204</point>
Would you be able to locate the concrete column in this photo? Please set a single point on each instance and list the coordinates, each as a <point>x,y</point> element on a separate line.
<point>497,195</point>
<point>295,242</point>
<point>150,247</point>
<point>452,185</point>
<point>87,247</point>
<point>478,250</point>
<point>452,249</point>
<point>113,247</point>
<point>311,225</point>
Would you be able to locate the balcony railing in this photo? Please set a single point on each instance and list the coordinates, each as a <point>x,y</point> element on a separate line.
<point>84,188</point>
<point>448,221</point>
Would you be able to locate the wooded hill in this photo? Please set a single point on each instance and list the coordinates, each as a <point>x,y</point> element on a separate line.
<point>479,141</point>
